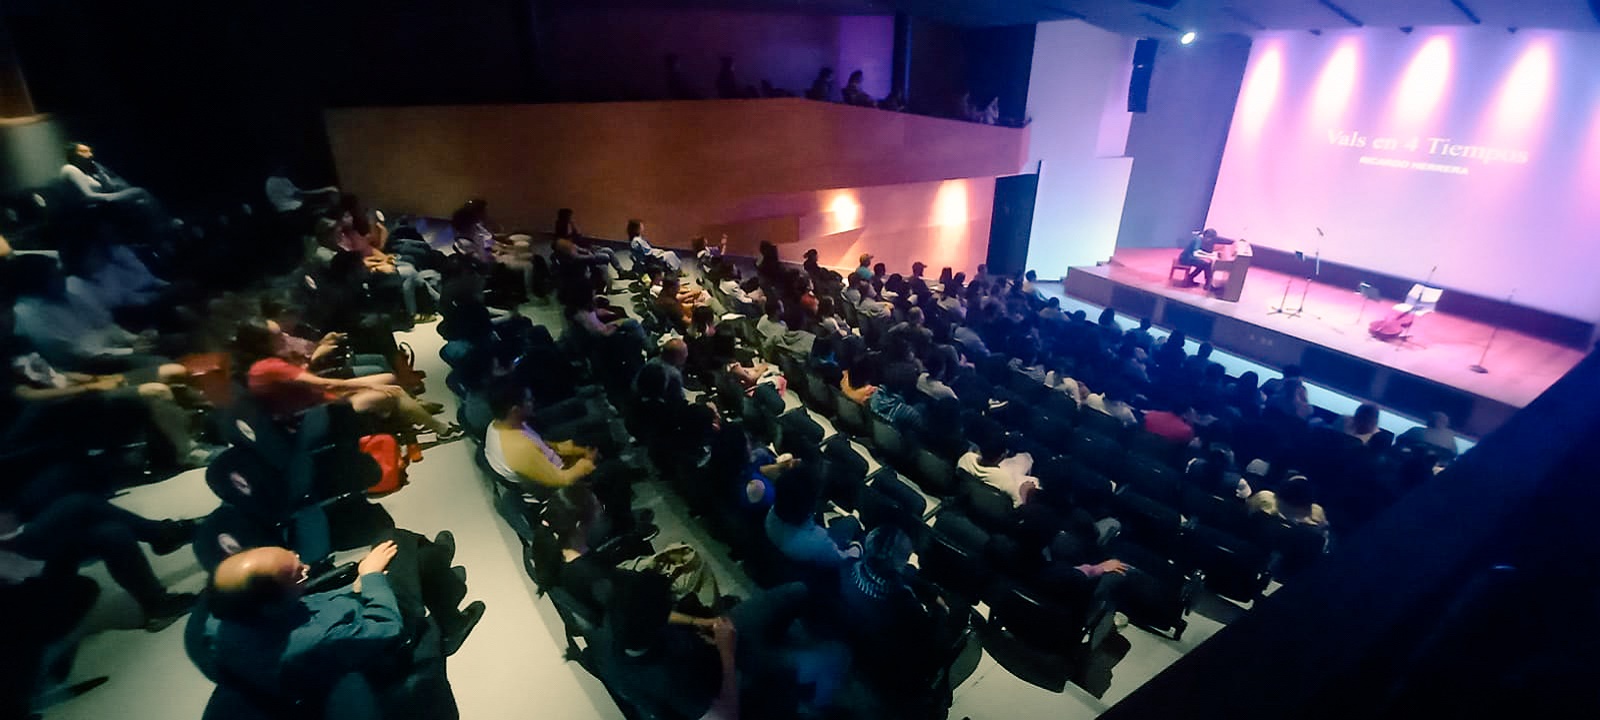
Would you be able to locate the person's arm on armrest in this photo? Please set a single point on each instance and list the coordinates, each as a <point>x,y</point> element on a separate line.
<point>528,461</point>
<point>379,624</point>
<point>87,186</point>
<point>725,637</point>
<point>26,393</point>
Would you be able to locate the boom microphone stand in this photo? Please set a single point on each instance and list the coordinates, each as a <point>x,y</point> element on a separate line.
<point>1316,269</point>
<point>1480,368</point>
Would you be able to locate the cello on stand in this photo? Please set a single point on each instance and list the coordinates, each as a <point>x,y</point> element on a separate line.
<point>1399,321</point>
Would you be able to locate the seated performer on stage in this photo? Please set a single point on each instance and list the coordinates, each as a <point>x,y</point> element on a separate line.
<point>1201,252</point>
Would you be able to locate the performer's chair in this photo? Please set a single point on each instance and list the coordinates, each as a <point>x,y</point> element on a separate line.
<point>1179,270</point>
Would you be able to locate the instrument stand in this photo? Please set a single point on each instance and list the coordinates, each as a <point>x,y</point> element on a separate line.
<point>1479,367</point>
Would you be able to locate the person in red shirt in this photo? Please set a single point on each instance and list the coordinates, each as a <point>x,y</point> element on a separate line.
<point>280,381</point>
<point>1175,426</point>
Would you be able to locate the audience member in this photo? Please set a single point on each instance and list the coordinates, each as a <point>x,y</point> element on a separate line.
<point>1292,502</point>
<point>677,85</point>
<point>993,464</point>
<point>274,641</point>
<point>853,94</point>
<point>643,248</point>
<point>1436,433</point>
<point>74,529</point>
<point>285,388</point>
<point>822,88</point>
<point>793,529</point>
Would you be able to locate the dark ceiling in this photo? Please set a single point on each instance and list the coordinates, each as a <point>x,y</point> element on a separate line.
<point>1134,17</point>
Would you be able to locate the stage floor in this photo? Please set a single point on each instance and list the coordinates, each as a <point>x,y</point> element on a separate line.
<point>1442,347</point>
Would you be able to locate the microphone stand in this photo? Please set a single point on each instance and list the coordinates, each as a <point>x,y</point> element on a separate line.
<point>1479,367</point>
<point>1283,304</point>
<point>1316,268</point>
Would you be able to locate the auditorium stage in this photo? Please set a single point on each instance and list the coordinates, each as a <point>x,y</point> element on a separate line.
<point>1430,372</point>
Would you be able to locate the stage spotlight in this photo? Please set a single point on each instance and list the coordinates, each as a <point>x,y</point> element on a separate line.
<point>1187,38</point>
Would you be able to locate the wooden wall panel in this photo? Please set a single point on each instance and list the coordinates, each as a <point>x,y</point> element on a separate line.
<point>686,168</point>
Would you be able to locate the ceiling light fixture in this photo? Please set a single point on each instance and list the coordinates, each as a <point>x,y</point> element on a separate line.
<point>1187,38</point>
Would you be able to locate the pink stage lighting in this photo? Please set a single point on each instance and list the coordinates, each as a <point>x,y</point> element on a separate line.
<point>844,212</point>
<point>1260,91</point>
<point>950,204</point>
<point>1425,82</point>
<point>1522,100</point>
<point>1336,85</point>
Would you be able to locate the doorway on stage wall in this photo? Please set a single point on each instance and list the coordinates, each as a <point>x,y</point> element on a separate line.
<point>1009,231</point>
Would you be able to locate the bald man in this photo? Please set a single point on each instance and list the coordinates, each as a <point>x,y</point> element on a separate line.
<point>662,377</point>
<point>274,641</point>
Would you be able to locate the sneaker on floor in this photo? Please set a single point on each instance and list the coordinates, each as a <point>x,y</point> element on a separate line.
<point>174,535</point>
<point>166,610</point>
<point>454,631</point>
<point>447,540</point>
<point>451,432</point>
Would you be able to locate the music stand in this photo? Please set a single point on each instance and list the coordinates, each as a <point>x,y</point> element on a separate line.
<point>1420,302</point>
<point>1368,293</point>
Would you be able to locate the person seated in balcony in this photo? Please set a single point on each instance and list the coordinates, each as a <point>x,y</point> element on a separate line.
<point>995,465</point>
<point>642,247</point>
<point>853,94</point>
<point>727,81</point>
<point>677,85</point>
<point>822,88</point>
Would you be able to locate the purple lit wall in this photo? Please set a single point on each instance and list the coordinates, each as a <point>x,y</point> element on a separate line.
<point>1471,149</point>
